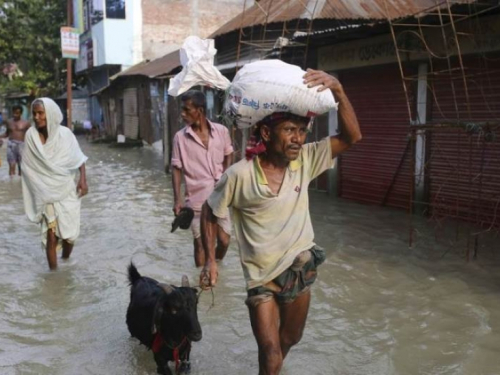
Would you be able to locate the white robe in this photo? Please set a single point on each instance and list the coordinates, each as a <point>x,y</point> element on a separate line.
<point>48,175</point>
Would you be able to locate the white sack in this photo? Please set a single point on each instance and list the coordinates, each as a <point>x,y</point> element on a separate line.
<point>197,59</point>
<point>264,87</point>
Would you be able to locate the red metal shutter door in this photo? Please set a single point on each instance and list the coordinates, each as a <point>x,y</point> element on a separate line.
<point>377,170</point>
<point>464,163</point>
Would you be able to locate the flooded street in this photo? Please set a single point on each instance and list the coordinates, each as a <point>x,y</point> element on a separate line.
<point>378,307</point>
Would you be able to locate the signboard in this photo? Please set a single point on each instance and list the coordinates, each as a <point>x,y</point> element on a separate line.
<point>70,42</point>
<point>93,13</point>
<point>96,11</point>
<point>115,9</point>
<point>480,38</point>
<point>86,58</point>
<point>78,15</point>
<point>90,54</point>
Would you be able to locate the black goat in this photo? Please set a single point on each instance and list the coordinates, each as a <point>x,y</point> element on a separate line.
<point>164,318</point>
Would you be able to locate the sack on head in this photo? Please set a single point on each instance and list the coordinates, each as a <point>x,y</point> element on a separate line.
<point>265,87</point>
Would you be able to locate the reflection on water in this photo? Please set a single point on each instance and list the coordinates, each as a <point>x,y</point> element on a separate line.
<point>378,307</point>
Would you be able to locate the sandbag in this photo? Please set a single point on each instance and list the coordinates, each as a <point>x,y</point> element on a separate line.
<point>264,87</point>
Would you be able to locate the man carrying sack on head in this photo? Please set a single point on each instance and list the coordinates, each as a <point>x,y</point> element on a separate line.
<point>268,194</point>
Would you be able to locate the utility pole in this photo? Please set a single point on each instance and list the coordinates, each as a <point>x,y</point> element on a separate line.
<point>69,73</point>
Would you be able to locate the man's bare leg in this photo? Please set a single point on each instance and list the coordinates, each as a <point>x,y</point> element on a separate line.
<point>292,322</point>
<point>222,243</point>
<point>51,249</point>
<point>265,325</point>
<point>67,249</point>
<point>12,169</point>
<point>199,253</point>
<point>19,169</point>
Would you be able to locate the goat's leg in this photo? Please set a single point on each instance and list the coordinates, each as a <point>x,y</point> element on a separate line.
<point>162,365</point>
<point>186,365</point>
<point>165,370</point>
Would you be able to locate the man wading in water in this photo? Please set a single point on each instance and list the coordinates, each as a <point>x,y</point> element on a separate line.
<point>16,129</point>
<point>202,151</point>
<point>269,198</point>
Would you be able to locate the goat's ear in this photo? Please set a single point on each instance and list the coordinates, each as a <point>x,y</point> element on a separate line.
<point>185,281</point>
<point>167,288</point>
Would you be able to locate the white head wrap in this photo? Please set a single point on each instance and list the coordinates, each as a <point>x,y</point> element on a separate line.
<point>49,170</point>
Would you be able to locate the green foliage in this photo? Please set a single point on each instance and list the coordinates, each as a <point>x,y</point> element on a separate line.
<point>30,38</point>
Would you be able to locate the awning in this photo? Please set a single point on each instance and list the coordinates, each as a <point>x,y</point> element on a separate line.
<point>159,67</point>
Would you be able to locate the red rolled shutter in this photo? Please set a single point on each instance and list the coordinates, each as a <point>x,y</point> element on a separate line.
<point>464,163</point>
<point>377,170</point>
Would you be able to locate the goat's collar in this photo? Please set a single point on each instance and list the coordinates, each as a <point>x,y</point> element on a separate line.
<point>158,342</point>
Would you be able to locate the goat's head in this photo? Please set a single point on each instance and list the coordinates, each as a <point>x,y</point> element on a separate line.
<point>176,313</point>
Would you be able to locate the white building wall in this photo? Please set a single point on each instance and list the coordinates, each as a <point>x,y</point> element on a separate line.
<point>166,23</point>
<point>137,49</point>
<point>116,41</point>
<point>119,42</point>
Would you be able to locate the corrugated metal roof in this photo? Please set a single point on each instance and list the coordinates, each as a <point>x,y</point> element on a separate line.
<point>158,67</point>
<point>16,95</point>
<point>130,71</point>
<point>270,11</point>
<point>75,94</point>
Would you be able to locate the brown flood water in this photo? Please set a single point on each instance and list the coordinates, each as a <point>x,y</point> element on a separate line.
<point>378,307</point>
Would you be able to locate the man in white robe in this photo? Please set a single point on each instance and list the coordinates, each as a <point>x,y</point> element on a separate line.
<point>51,158</point>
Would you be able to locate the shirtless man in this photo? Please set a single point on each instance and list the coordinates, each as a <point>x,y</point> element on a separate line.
<point>16,129</point>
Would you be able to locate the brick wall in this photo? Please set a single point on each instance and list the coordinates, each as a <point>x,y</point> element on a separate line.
<point>166,23</point>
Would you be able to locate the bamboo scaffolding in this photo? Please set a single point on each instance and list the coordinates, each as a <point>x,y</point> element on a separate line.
<point>460,124</point>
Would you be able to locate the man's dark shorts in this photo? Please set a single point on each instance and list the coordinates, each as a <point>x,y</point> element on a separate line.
<point>293,282</point>
<point>14,150</point>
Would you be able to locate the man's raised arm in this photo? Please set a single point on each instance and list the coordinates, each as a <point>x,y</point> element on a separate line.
<point>349,126</point>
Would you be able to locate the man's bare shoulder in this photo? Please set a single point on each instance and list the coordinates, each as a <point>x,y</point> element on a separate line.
<point>26,124</point>
<point>19,125</point>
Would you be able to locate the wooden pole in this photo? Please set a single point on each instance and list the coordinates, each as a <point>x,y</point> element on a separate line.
<point>69,73</point>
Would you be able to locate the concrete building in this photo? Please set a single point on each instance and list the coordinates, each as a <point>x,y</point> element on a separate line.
<point>117,34</point>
